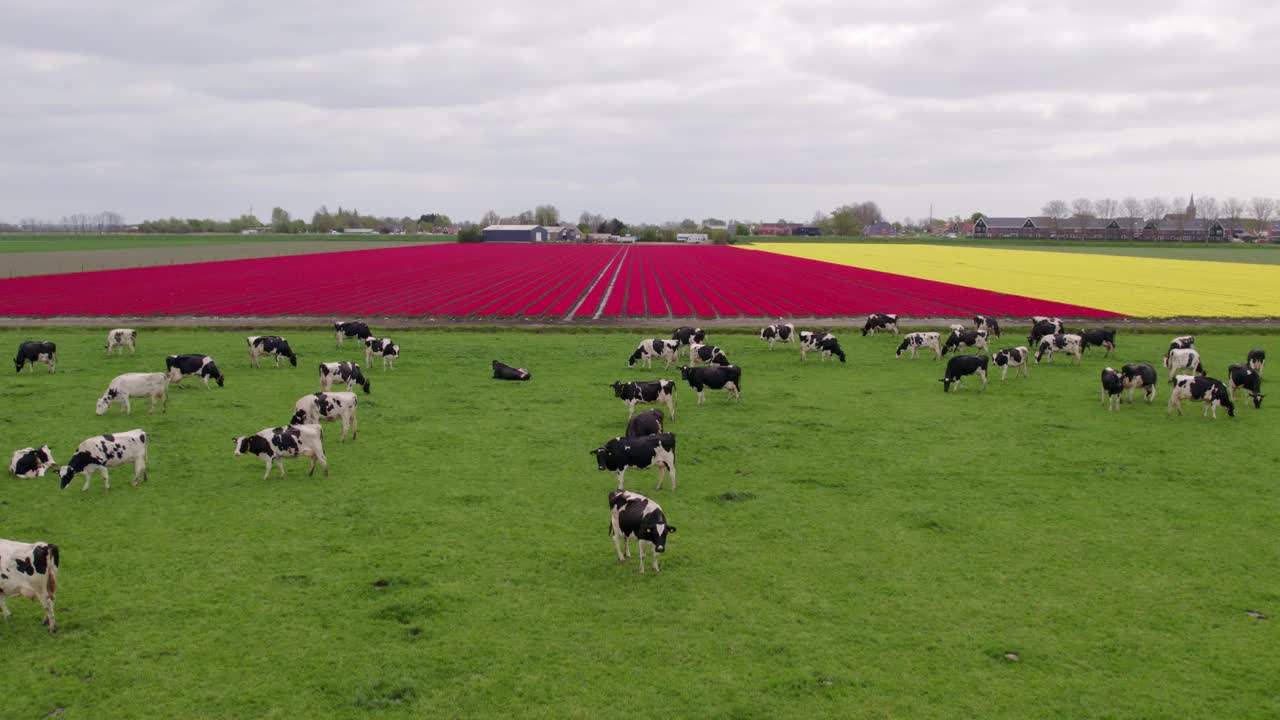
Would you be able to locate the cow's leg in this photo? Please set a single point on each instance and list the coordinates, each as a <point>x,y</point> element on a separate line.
<point>280,464</point>
<point>640,551</point>
<point>4,609</point>
<point>1004,370</point>
<point>128,407</point>
<point>672,469</point>
<point>106,480</point>
<point>267,461</point>
<point>164,401</point>
<point>701,398</point>
<point>631,408</point>
<point>671,405</point>
<point>46,601</point>
<point>1150,392</point>
<point>139,470</point>
<point>983,373</point>
<point>52,362</point>
<point>621,474</point>
<point>617,545</point>
<point>653,553</point>
<point>662,475</point>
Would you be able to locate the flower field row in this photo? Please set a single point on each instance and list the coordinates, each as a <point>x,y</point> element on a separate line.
<point>1135,286</point>
<point>515,280</point>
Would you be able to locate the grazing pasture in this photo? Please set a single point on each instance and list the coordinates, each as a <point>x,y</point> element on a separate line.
<point>853,542</point>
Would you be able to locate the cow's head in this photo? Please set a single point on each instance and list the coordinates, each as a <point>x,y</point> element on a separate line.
<point>104,402</point>
<point>1224,399</point>
<point>684,372</point>
<point>288,352</point>
<point>618,387</point>
<point>631,361</point>
<point>946,384</point>
<point>902,347</point>
<point>656,530</point>
<point>601,456</point>
<point>242,446</point>
<point>834,348</point>
<point>299,417</point>
<point>17,362</point>
<point>1040,351</point>
<point>220,378</point>
<point>359,377</point>
<point>78,463</point>
<point>1257,400</point>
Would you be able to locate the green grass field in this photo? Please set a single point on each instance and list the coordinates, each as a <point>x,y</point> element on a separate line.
<point>852,543</point>
<point>63,242</point>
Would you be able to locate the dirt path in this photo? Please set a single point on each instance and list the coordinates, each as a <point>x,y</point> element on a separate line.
<point>51,263</point>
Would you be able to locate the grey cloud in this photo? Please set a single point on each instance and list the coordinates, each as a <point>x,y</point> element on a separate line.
<point>706,108</point>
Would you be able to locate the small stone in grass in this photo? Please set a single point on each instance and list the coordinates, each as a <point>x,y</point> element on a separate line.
<point>1012,657</point>
<point>1256,615</point>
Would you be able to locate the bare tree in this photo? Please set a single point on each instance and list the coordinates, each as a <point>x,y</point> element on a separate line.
<point>1133,210</point>
<point>1232,209</point>
<point>1208,207</point>
<point>490,218</point>
<point>1262,209</point>
<point>546,215</point>
<point>1056,210</point>
<point>1156,208</point>
<point>1105,208</point>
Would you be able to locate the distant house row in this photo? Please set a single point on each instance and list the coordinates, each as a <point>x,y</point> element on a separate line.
<point>1124,228</point>
<point>776,229</point>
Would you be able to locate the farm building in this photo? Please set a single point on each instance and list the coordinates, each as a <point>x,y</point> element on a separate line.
<point>1178,228</point>
<point>806,231</point>
<point>878,229</point>
<point>563,233</point>
<point>1006,227</point>
<point>775,228</point>
<point>515,233</point>
<point>700,238</point>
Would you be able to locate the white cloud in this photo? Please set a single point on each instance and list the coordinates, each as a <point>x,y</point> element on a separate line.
<point>704,108</point>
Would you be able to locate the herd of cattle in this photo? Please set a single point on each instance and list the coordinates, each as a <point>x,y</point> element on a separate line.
<point>30,569</point>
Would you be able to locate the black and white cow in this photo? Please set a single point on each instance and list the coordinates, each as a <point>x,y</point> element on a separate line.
<point>132,385</point>
<point>273,445</point>
<point>30,570</point>
<point>916,341</point>
<point>709,354</point>
<point>647,350</point>
<point>342,373</point>
<point>1243,376</point>
<point>728,377</point>
<point>1139,375</point>
<point>313,408</point>
<point>1257,359</point>
<point>641,453</point>
<point>1016,358</point>
<point>634,516</point>
<point>105,451</point>
<point>1042,327</point>
<point>1182,342</point>
<point>1068,343</point>
<point>1104,338</point>
<point>383,348</point>
<point>686,336</point>
<point>820,342</point>
<point>778,334</point>
<point>506,372</point>
<point>958,339</point>
<point>180,366</point>
<point>344,330</point>
<point>122,338</point>
<point>648,422</point>
<point>31,462</point>
<point>960,366</point>
<point>32,352</point>
<point>990,324</point>
<point>1112,386</point>
<point>1184,359</point>
<point>1205,389</point>
<point>260,345</point>
<point>648,393</point>
<point>880,321</point>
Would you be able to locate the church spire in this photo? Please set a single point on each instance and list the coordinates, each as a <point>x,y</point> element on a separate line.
<point>1191,208</point>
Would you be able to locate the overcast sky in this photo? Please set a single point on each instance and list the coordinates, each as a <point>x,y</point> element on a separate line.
<point>646,111</point>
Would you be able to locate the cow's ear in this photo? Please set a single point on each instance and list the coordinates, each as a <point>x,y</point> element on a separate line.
<point>671,528</point>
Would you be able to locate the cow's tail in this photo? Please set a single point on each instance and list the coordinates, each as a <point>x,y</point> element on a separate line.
<point>52,572</point>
